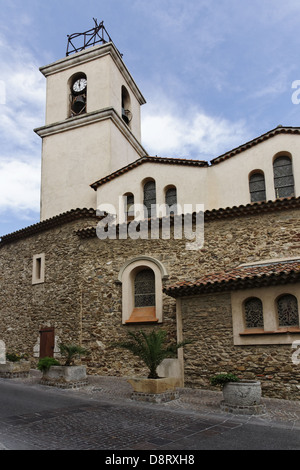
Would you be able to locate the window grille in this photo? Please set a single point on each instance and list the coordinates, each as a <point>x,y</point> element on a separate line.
<point>287,307</point>
<point>144,288</point>
<point>149,197</point>
<point>254,313</point>
<point>283,177</point>
<point>257,187</point>
<point>171,200</point>
<point>130,206</point>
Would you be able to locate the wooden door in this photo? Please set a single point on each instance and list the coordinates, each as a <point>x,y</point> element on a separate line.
<point>46,342</point>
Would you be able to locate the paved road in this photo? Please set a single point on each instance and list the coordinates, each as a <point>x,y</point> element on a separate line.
<point>37,417</point>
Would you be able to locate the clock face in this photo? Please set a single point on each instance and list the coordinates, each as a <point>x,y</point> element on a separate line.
<point>79,85</point>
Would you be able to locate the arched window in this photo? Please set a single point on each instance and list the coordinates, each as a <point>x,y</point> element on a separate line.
<point>149,197</point>
<point>287,309</point>
<point>129,206</point>
<point>253,309</point>
<point>171,200</point>
<point>283,177</point>
<point>126,105</point>
<point>78,95</point>
<point>144,289</point>
<point>257,187</point>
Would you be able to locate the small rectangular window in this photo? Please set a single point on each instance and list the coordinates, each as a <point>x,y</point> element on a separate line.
<point>38,269</point>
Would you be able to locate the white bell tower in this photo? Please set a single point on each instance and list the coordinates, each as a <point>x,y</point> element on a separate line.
<point>93,124</point>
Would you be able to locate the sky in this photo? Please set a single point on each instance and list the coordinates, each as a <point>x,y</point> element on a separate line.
<point>215,74</point>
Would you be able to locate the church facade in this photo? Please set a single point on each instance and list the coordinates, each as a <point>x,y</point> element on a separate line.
<point>114,249</point>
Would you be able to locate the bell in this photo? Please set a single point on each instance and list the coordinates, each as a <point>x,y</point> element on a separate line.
<point>78,104</point>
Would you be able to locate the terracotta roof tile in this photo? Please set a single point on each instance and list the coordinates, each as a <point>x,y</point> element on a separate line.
<point>75,214</point>
<point>147,159</point>
<point>238,278</point>
<point>278,130</point>
<point>50,223</point>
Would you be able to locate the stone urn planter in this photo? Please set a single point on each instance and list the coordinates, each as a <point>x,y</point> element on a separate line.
<point>12,370</point>
<point>240,396</point>
<point>157,390</point>
<point>65,376</point>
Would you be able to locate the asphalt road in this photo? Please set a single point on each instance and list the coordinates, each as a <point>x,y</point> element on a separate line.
<point>45,418</point>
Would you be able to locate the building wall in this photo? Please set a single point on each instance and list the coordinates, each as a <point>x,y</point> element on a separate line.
<point>82,298</point>
<point>207,321</point>
<point>221,185</point>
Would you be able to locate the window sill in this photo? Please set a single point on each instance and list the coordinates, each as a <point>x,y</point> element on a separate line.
<point>142,315</point>
<point>279,331</point>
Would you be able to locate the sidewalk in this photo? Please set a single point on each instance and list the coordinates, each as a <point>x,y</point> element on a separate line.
<point>207,402</point>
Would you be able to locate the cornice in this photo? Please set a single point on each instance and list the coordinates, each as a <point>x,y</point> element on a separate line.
<point>90,54</point>
<point>90,232</point>
<point>91,118</point>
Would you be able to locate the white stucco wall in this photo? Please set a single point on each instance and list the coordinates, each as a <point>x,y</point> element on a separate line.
<point>222,185</point>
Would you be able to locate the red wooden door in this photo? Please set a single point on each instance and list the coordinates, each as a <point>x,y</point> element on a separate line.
<point>46,342</point>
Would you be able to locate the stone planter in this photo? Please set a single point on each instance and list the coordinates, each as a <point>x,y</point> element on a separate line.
<point>243,397</point>
<point>154,390</point>
<point>65,376</point>
<point>12,370</point>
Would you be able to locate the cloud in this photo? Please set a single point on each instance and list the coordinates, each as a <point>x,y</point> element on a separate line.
<point>22,103</point>
<point>167,131</point>
<point>19,186</point>
<point>21,110</point>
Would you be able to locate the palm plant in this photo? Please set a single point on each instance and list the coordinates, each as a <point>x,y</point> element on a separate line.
<point>151,348</point>
<point>71,351</point>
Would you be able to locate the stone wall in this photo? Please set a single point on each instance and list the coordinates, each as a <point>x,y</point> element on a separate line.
<point>82,300</point>
<point>207,321</point>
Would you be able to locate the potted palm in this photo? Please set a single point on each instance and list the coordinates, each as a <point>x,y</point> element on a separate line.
<point>239,396</point>
<point>67,375</point>
<point>152,349</point>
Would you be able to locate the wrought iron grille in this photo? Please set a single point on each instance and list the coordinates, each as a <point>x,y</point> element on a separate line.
<point>144,288</point>
<point>130,205</point>
<point>257,187</point>
<point>254,313</point>
<point>149,197</point>
<point>171,200</point>
<point>287,307</point>
<point>283,177</point>
<point>79,41</point>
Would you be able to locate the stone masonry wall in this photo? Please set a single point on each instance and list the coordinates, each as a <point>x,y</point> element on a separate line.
<point>81,299</point>
<point>207,321</point>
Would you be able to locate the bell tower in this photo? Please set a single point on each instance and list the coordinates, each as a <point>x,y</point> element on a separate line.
<point>93,124</point>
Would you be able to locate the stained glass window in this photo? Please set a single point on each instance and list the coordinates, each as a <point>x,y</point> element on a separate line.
<point>287,307</point>
<point>149,196</point>
<point>257,187</point>
<point>144,288</point>
<point>254,313</point>
<point>171,200</point>
<point>283,177</point>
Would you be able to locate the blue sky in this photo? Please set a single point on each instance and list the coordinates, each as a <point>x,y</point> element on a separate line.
<point>215,74</point>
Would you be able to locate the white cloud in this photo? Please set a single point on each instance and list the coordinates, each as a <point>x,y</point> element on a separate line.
<point>166,131</point>
<point>19,186</point>
<point>21,110</point>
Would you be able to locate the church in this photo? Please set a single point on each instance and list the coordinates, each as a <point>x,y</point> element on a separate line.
<point>208,251</point>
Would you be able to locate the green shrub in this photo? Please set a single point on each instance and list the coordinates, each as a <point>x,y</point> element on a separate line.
<point>222,379</point>
<point>45,363</point>
<point>13,357</point>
